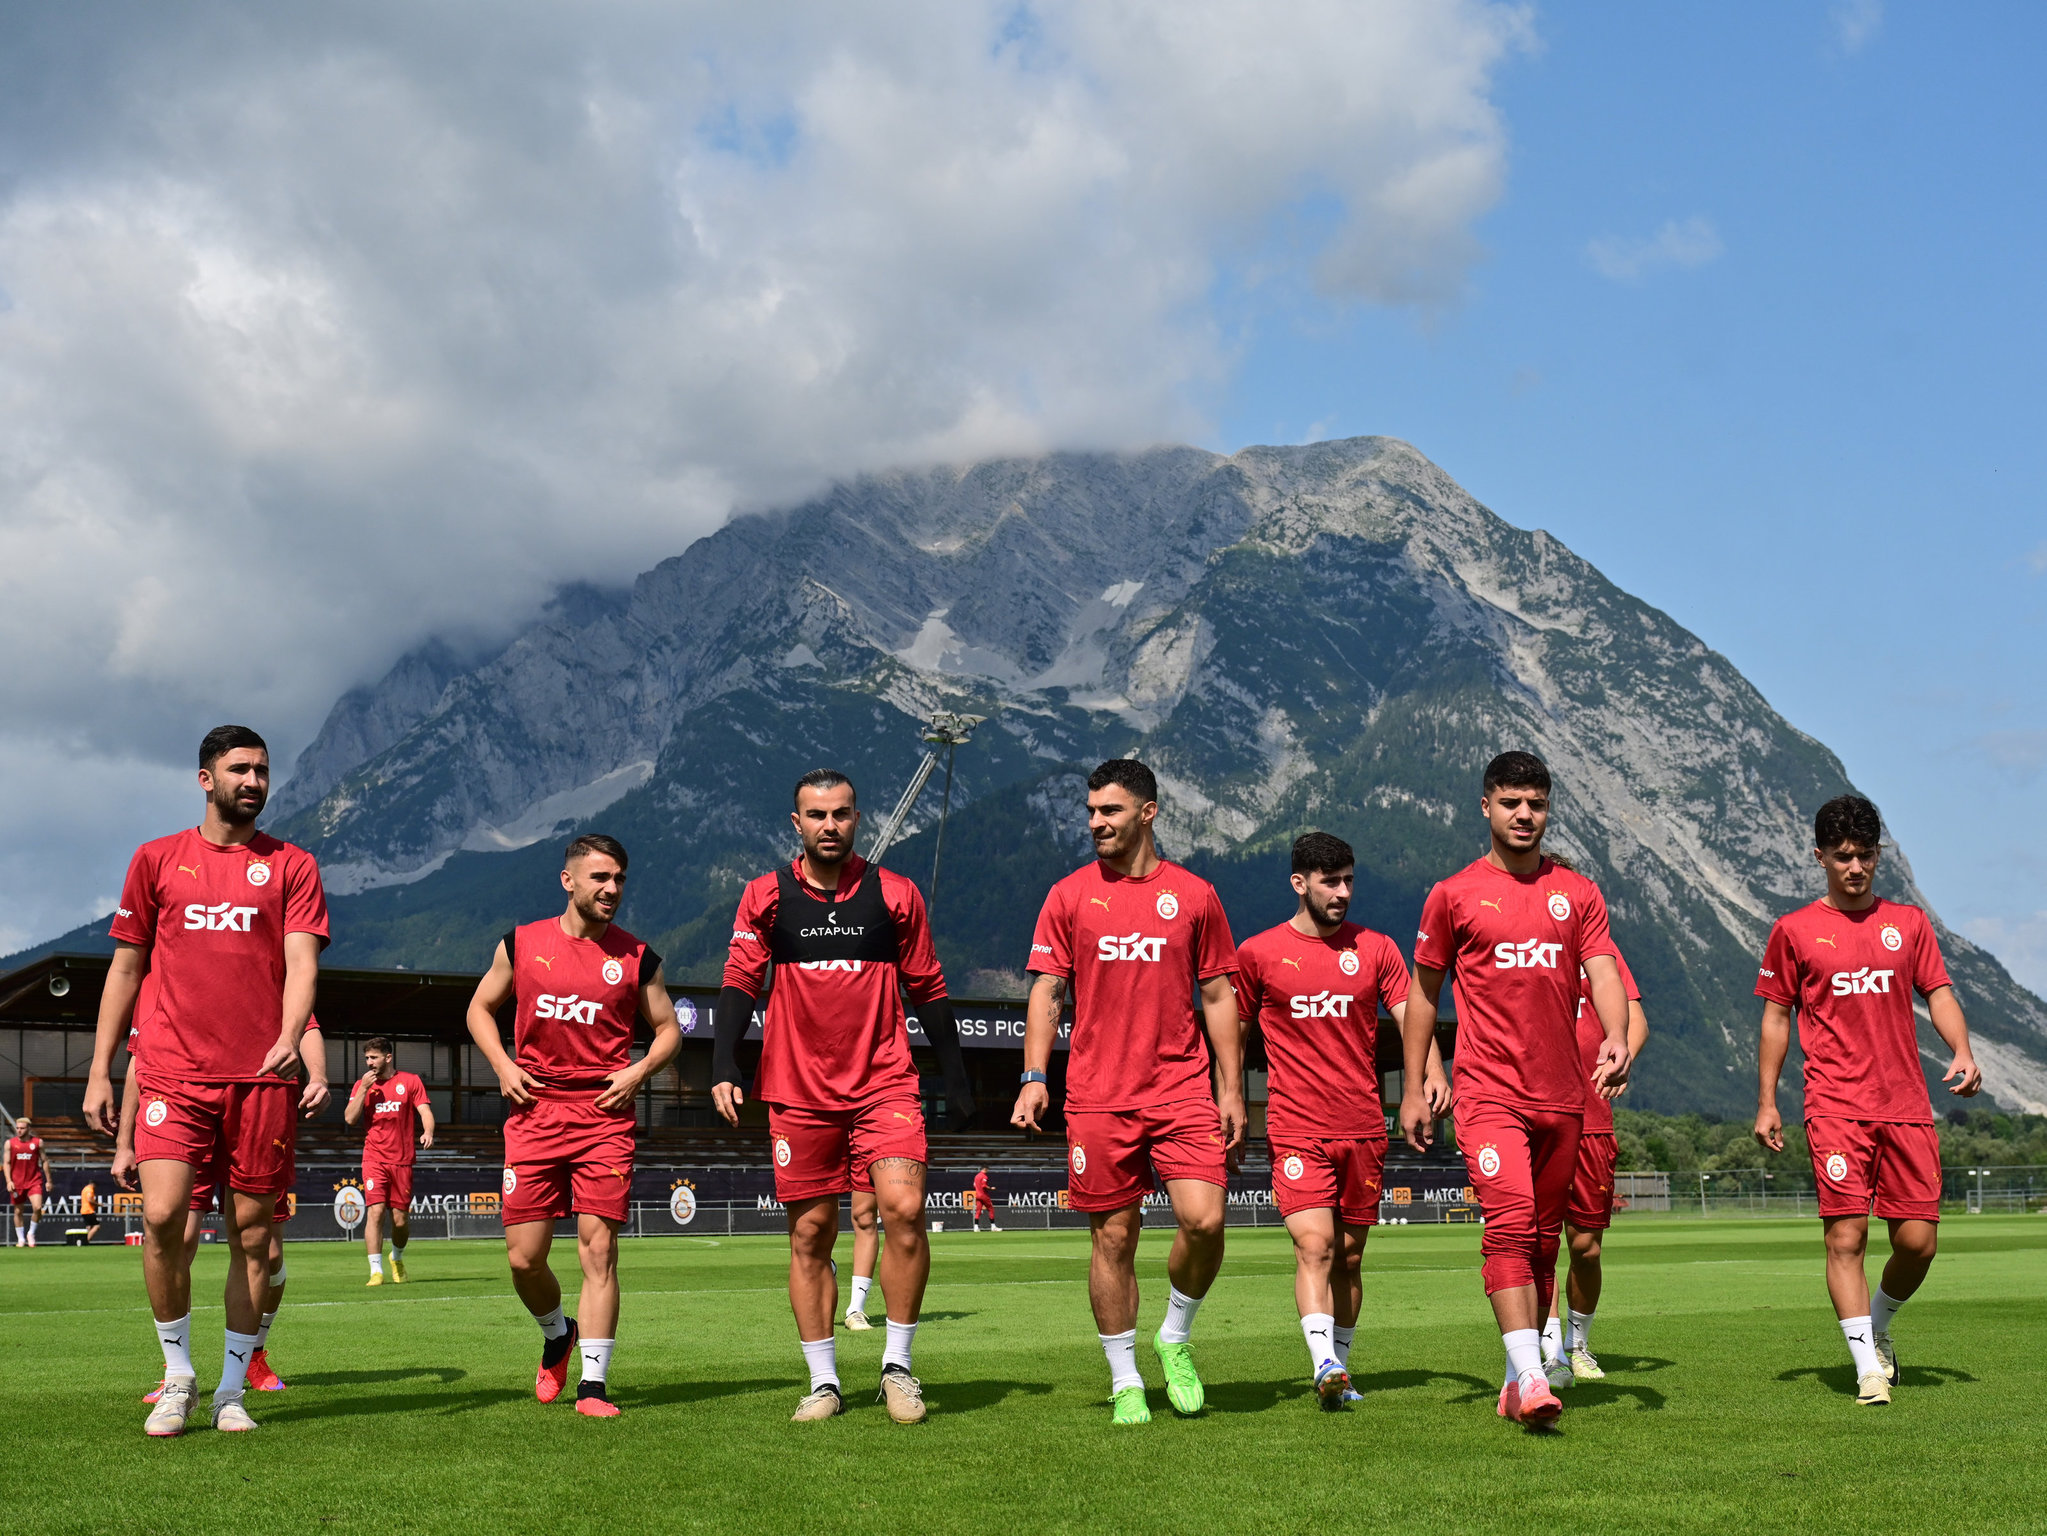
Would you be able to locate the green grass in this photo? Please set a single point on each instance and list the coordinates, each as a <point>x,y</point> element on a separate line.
<point>1729,1406</point>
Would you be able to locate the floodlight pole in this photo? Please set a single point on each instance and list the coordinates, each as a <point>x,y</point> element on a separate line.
<point>950,731</point>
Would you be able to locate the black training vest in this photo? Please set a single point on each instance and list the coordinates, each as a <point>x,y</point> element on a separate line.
<point>808,930</point>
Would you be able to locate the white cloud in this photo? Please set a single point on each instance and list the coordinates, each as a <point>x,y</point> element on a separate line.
<point>327,328</point>
<point>2019,942</point>
<point>1856,23</point>
<point>1689,242</point>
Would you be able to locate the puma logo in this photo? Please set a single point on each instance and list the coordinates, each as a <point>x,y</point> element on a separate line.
<point>1294,963</point>
<point>187,869</point>
<point>1827,940</point>
<point>1493,904</point>
<point>236,1354</point>
<point>546,960</point>
<point>1099,901</point>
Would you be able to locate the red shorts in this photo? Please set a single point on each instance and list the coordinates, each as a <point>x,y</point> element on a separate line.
<point>1860,1164</point>
<point>563,1155</point>
<point>239,1135</point>
<point>1111,1155</point>
<point>1339,1174</point>
<point>390,1184</point>
<point>1521,1161</point>
<point>1589,1206</point>
<point>27,1190</point>
<point>829,1151</point>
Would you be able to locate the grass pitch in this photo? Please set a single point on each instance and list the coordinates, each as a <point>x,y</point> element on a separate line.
<point>1729,1405</point>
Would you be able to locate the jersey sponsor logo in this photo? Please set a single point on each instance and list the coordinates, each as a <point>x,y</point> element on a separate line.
<point>1766,971</point>
<point>1559,906</point>
<point>782,1153</point>
<point>1889,935</point>
<point>572,1009</point>
<point>1168,905</point>
<point>1078,1158</point>
<point>1836,1166</point>
<point>123,912</point>
<point>511,1178</point>
<point>156,1114</point>
<point>745,934</point>
<point>852,966</point>
<point>223,917</point>
<point>1862,982</point>
<point>836,930</point>
<point>1132,947</point>
<point>1041,949</point>
<point>614,973</point>
<point>389,1106</point>
<point>1293,1167</point>
<point>1347,962</point>
<point>1489,1160</point>
<point>1529,954</point>
<point>1321,1005</point>
<point>258,872</point>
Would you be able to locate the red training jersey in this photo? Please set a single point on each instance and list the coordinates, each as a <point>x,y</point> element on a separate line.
<point>391,1132</point>
<point>1316,1001</point>
<point>835,1035</point>
<point>1515,944</point>
<point>25,1160</point>
<point>1591,1036</point>
<point>575,1001</point>
<point>1134,950</point>
<point>213,920</point>
<point>1851,976</point>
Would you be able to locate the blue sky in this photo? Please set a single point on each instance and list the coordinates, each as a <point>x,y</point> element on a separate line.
<point>1759,332</point>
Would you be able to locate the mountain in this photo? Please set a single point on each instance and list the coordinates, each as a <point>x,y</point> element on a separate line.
<point>1328,636</point>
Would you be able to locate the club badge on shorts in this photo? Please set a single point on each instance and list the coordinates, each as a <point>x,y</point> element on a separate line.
<point>1559,906</point>
<point>1837,1166</point>
<point>511,1179</point>
<point>156,1114</point>
<point>1078,1157</point>
<point>1292,1167</point>
<point>782,1153</point>
<point>1489,1160</point>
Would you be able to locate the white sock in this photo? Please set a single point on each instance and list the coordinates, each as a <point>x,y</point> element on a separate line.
<point>277,1280</point>
<point>1524,1352</point>
<point>376,1263</point>
<point>397,1247</point>
<point>553,1325</point>
<point>1552,1339</point>
<point>1882,1308</point>
<point>1180,1310</point>
<point>1121,1348</point>
<point>862,1284</point>
<point>1579,1335</point>
<point>234,1363</point>
<point>1342,1337</point>
<point>822,1355</point>
<point>1319,1329</point>
<point>897,1351</point>
<point>1857,1331</point>
<point>263,1329</point>
<point>596,1358</point>
<point>176,1339</point>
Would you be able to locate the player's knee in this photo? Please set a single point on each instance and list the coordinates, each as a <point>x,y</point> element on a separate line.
<point>1203,1226</point>
<point>1584,1247</point>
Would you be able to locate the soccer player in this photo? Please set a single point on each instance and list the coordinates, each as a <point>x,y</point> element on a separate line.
<point>984,1202</point>
<point>28,1178</point>
<point>1588,1210</point>
<point>227,924</point>
<point>1848,965</point>
<point>1135,937</point>
<point>1516,928</point>
<point>577,983</point>
<point>866,1252</point>
<point>846,940</point>
<point>1313,988</point>
<point>399,1117</point>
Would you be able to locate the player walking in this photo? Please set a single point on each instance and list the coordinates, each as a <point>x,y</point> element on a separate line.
<point>866,1218</point>
<point>1313,988</point>
<point>227,923</point>
<point>846,939</point>
<point>1588,1210</point>
<point>28,1180</point>
<point>577,984</point>
<point>1849,964</point>
<point>400,1119</point>
<point>984,1202</point>
<point>1516,927</point>
<point>1134,936</point>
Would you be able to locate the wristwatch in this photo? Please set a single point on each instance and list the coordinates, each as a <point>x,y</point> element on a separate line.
<point>1034,1077</point>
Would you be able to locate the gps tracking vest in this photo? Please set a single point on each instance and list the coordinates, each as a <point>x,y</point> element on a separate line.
<point>832,935</point>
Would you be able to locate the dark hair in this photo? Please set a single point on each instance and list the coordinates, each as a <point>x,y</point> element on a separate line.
<point>380,1043</point>
<point>223,739</point>
<point>1516,770</point>
<point>1321,854</point>
<point>822,778</point>
<point>596,842</point>
<point>1126,773</point>
<point>1847,819</point>
<point>1560,861</point>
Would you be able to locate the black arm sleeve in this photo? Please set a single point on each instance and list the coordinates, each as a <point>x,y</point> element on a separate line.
<point>735,1013</point>
<point>942,1029</point>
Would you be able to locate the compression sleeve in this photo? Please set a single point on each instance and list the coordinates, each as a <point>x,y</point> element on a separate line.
<point>942,1029</point>
<point>735,1013</point>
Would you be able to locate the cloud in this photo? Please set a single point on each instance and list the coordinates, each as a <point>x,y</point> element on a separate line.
<point>2019,942</point>
<point>1689,242</point>
<point>329,328</point>
<point>1856,23</point>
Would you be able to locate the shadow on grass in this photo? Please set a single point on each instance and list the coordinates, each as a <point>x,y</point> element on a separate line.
<point>447,1375</point>
<point>1597,1394</point>
<point>944,1317</point>
<point>442,1404</point>
<point>1841,1378</point>
<point>1633,1364</point>
<point>708,1391</point>
<point>973,1396</point>
<point>1254,1396</point>
<point>1403,1381</point>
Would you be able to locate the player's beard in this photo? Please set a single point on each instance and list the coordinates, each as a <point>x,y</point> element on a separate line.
<point>228,806</point>
<point>1329,914</point>
<point>590,912</point>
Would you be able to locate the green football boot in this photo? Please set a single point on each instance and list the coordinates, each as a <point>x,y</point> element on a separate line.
<point>1183,1386</point>
<point>1131,1408</point>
